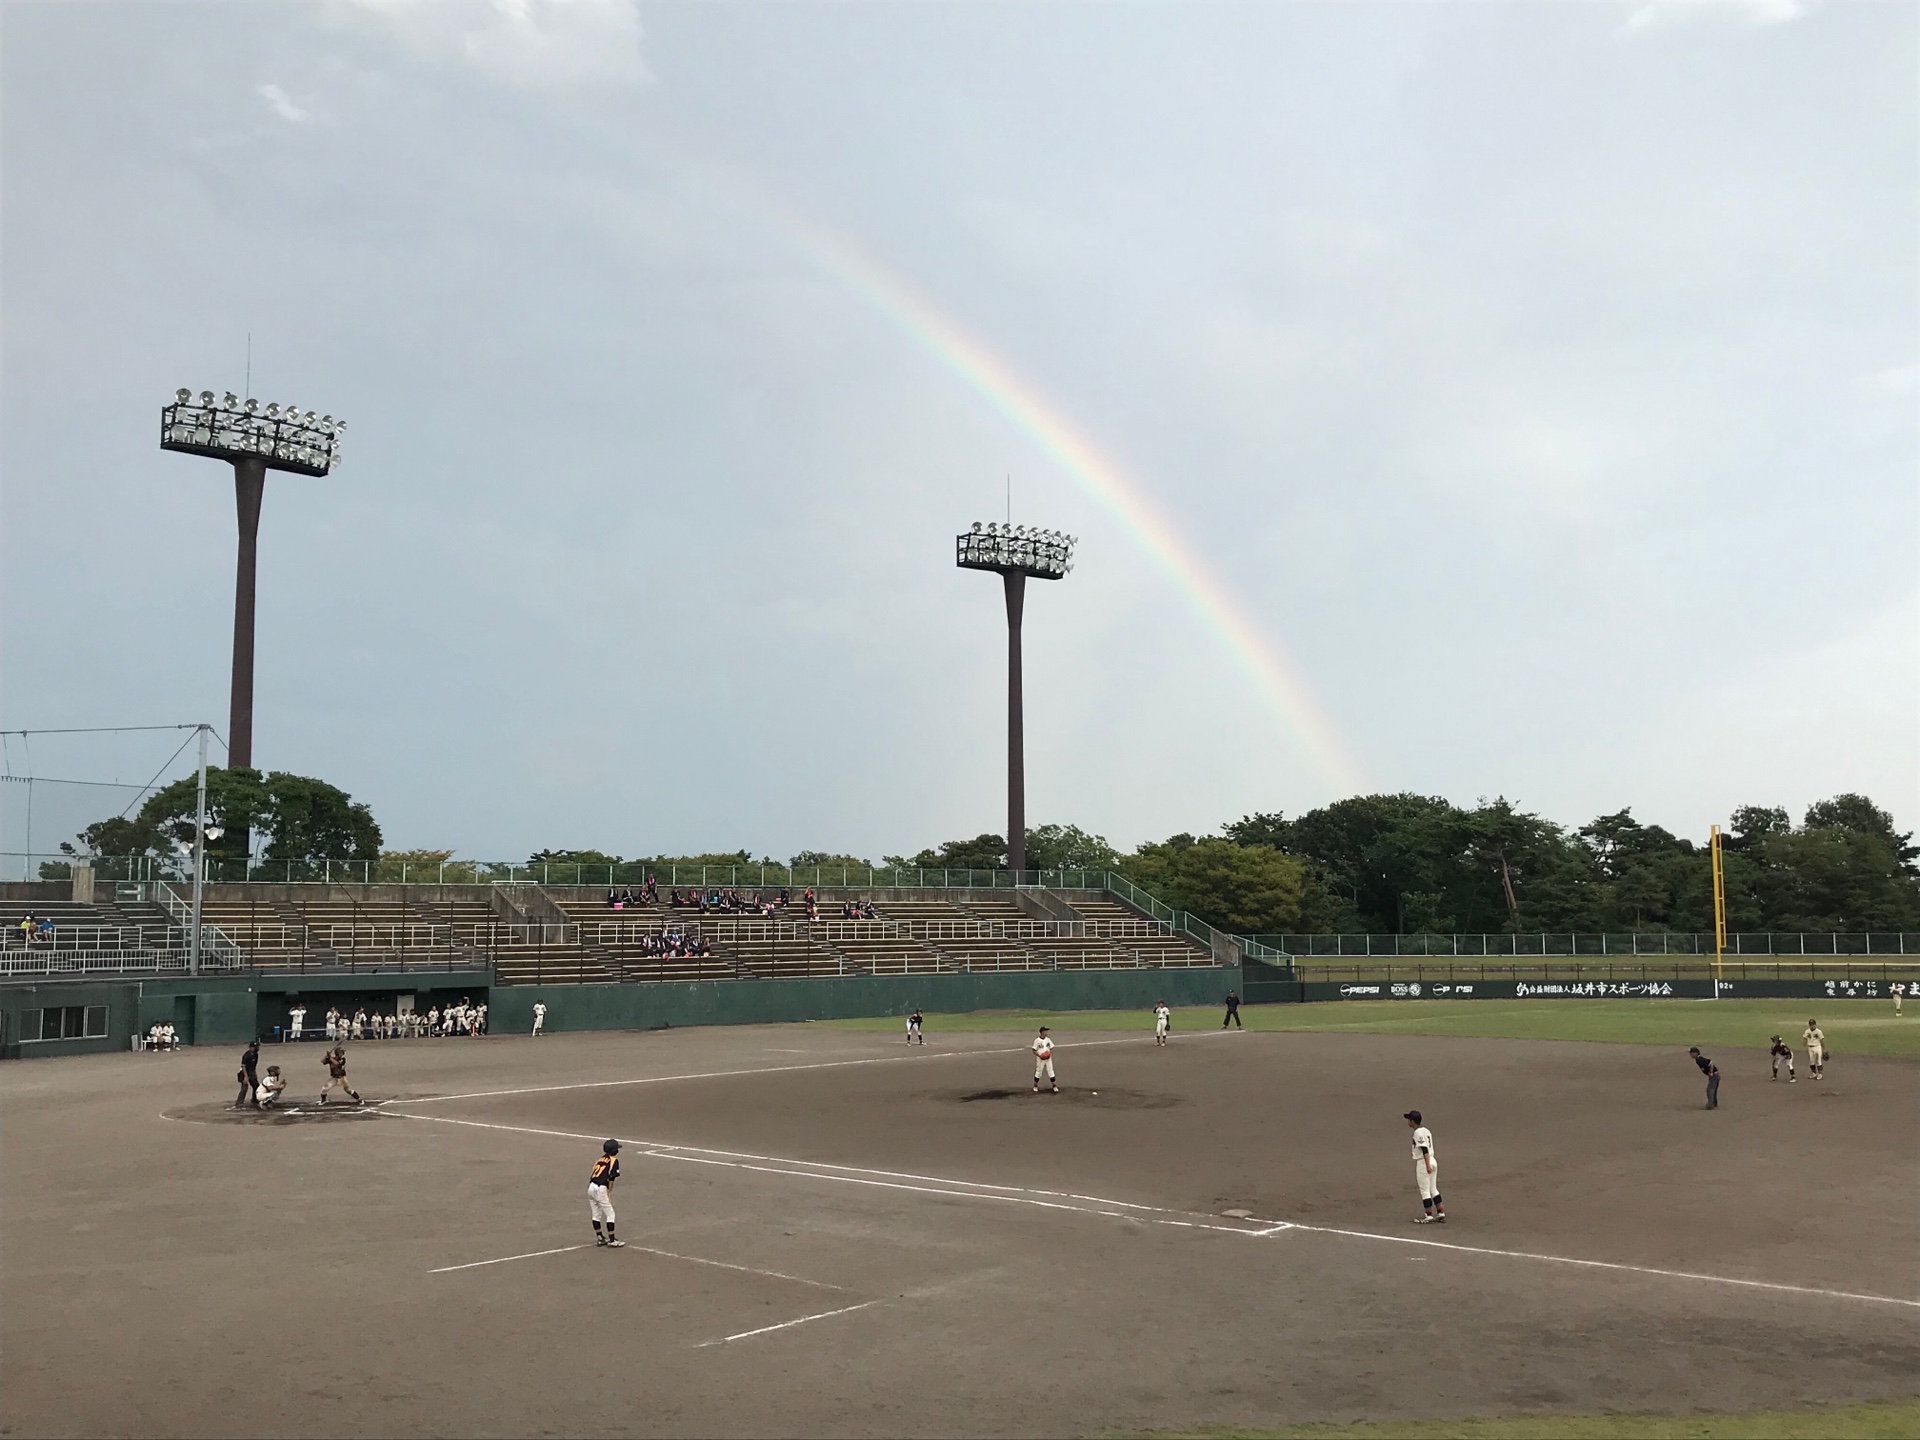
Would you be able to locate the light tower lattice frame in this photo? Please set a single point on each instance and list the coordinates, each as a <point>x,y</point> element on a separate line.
<point>1015,553</point>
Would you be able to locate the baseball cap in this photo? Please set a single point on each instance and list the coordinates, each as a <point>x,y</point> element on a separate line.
<point>1413,1115</point>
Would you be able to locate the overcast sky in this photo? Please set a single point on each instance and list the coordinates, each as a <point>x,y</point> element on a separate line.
<point>1533,386</point>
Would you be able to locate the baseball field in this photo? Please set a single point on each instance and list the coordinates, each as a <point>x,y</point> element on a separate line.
<point>831,1233</point>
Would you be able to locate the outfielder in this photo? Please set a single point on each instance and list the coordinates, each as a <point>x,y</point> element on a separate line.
<point>914,1033</point>
<point>1162,1023</point>
<point>1782,1051</point>
<point>1816,1040</point>
<point>1043,1061</point>
<point>539,1016</point>
<point>1897,991</point>
<point>606,1170</point>
<point>336,1062</point>
<point>1426,1173</point>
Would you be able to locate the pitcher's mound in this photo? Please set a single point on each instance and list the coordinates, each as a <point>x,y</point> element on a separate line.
<point>1107,1098</point>
<point>299,1112</point>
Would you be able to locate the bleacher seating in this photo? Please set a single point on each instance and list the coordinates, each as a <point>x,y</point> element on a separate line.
<point>562,934</point>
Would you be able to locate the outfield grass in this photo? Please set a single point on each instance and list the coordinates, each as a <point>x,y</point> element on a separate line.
<point>1891,1420</point>
<point>1853,1027</point>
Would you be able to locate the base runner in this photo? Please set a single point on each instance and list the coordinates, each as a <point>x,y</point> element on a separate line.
<point>1043,1061</point>
<point>606,1170</point>
<point>1426,1173</point>
<point>336,1062</point>
<point>1162,1023</point>
<point>1782,1051</point>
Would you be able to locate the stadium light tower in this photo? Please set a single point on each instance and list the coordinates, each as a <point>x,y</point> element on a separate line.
<point>1015,551</point>
<point>253,440</point>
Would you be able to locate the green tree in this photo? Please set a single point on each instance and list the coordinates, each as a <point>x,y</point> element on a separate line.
<point>592,859</point>
<point>1068,847</point>
<point>237,804</point>
<point>811,859</point>
<point>303,818</point>
<point>983,852</point>
<point>1245,889</point>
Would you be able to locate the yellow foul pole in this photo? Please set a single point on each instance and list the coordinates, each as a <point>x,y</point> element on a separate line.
<point>1719,910</point>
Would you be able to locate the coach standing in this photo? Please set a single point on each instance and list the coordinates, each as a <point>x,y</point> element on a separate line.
<point>1233,1011</point>
<point>1712,1072</point>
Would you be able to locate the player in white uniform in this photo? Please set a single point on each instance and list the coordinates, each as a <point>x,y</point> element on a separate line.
<point>1043,1061</point>
<point>297,1020</point>
<point>539,1016</point>
<point>1898,990</point>
<point>1426,1172</point>
<point>1162,1023</point>
<point>1816,1041</point>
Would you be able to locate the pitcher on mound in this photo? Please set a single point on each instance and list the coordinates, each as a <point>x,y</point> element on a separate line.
<point>1043,1061</point>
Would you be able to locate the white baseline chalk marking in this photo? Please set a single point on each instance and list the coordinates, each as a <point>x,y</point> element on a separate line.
<point>530,1255</point>
<point>785,1325</point>
<point>915,1059</point>
<point>724,1265</point>
<point>1608,1265</point>
<point>854,1175</point>
<point>1253,1228</point>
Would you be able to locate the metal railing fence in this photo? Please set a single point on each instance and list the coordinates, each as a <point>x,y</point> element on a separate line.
<point>1308,948</point>
<point>1553,971</point>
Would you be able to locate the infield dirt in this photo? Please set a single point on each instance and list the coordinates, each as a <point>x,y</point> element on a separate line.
<point>982,1260</point>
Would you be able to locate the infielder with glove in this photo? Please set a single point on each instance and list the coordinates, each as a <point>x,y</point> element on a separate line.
<point>1426,1173</point>
<point>606,1170</point>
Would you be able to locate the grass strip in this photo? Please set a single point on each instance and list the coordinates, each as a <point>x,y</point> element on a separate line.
<point>1878,1420</point>
<point>1853,1027</point>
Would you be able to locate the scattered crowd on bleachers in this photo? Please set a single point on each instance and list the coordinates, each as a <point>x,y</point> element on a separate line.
<point>34,927</point>
<point>730,900</point>
<point>463,1018</point>
<point>676,945</point>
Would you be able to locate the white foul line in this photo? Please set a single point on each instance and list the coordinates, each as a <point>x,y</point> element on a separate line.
<point>912,1058</point>
<point>1610,1265</point>
<point>784,1325</point>
<point>530,1255</point>
<point>723,1265</point>
<point>1253,1228</point>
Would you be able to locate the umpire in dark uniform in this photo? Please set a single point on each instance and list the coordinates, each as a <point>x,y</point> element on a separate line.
<point>249,1077</point>
<point>1233,1011</point>
<point>1712,1072</point>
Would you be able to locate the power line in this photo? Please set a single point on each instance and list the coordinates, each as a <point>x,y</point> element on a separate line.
<point>110,730</point>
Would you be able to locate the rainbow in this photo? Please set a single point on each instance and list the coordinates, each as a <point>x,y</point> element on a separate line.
<point>1272,673</point>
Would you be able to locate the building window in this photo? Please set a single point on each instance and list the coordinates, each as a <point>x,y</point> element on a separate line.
<point>64,1022</point>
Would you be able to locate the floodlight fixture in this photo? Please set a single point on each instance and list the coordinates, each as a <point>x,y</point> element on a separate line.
<point>1015,552</point>
<point>253,442</point>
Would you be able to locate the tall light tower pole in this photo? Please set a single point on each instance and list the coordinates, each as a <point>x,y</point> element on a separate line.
<point>1015,551</point>
<point>253,440</point>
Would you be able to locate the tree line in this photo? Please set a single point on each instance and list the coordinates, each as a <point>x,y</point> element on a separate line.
<point>1384,864</point>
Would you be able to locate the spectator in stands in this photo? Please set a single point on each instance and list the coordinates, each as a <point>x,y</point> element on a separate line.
<point>613,900</point>
<point>871,912</point>
<point>786,897</point>
<point>650,892</point>
<point>45,930</point>
<point>26,928</point>
<point>270,1087</point>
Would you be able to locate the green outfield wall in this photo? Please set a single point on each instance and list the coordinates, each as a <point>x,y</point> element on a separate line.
<point>766,1002</point>
<point>230,1010</point>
